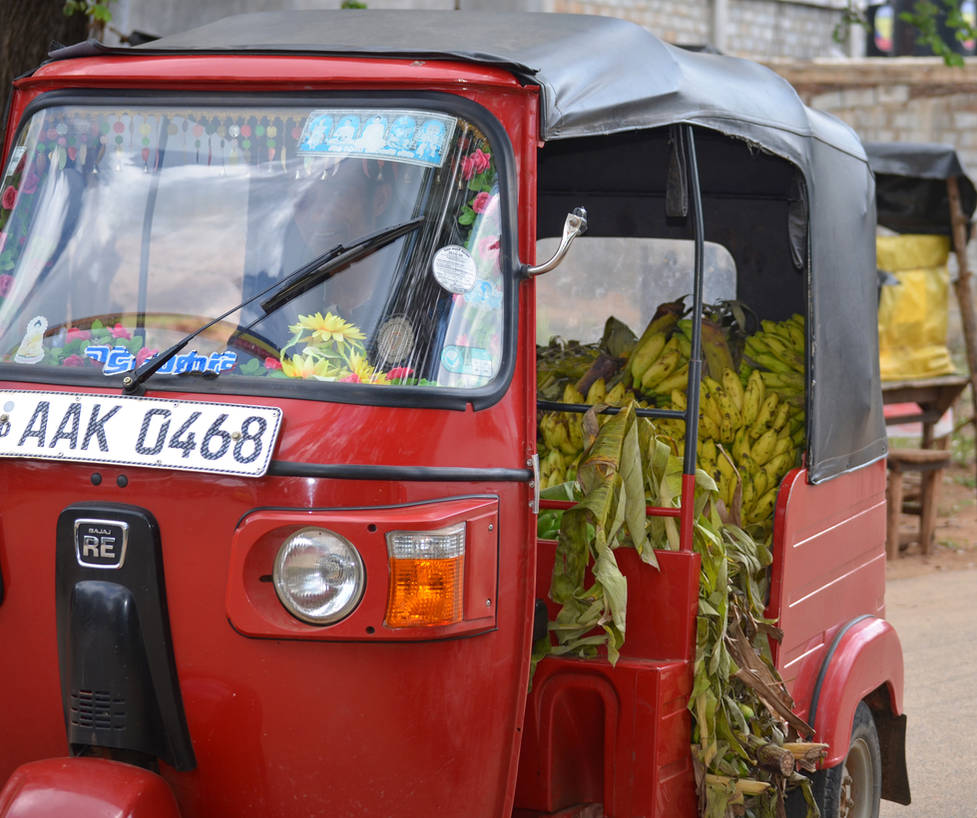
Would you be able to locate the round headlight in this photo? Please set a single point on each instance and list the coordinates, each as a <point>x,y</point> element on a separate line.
<point>319,576</point>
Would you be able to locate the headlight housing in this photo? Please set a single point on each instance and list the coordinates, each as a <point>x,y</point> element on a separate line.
<point>319,576</point>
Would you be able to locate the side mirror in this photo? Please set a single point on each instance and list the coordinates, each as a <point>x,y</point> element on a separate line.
<point>575,225</point>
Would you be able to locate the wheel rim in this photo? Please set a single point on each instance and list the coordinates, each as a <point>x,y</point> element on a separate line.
<point>857,784</point>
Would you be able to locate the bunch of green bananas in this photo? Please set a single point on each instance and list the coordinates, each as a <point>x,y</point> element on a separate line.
<point>751,423</point>
<point>560,437</point>
<point>778,351</point>
<point>759,440</point>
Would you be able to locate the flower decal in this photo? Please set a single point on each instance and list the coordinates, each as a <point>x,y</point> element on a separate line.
<point>478,171</point>
<point>305,366</point>
<point>481,202</point>
<point>328,328</point>
<point>9,198</point>
<point>475,163</point>
<point>144,355</point>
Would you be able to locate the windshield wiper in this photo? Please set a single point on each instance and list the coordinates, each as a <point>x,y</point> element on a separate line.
<point>292,286</point>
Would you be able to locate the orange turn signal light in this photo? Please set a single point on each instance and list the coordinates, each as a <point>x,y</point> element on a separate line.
<point>427,571</point>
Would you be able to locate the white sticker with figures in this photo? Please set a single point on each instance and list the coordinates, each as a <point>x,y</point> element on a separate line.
<point>31,349</point>
<point>404,135</point>
<point>454,269</point>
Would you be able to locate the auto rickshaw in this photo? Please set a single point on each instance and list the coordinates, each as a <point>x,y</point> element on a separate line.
<point>269,417</point>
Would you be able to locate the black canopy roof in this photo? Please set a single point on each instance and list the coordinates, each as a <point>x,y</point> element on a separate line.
<point>597,74</point>
<point>910,179</point>
<point>600,76</point>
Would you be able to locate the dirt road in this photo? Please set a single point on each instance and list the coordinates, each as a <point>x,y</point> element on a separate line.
<point>932,601</point>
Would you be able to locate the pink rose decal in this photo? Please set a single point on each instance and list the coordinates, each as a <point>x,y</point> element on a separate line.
<point>9,198</point>
<point>481,202</point>
<point>75,334</point>
<point>73,360</point>
<point>400,372</point>
<point>352,377</point>
<point>272,363</point>
<point>475,163</point>
<point>119,331</point>
<point>6,282</point>
<point>144,355</point>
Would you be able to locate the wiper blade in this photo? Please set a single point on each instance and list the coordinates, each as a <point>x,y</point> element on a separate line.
<point>338,257</point>
<point>292,286</point>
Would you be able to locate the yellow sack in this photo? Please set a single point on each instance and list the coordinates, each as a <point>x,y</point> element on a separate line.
<point>913,314</point>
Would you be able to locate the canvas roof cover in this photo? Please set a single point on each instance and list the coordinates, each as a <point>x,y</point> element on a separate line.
<point>911,192</point>
<point>601,75</point>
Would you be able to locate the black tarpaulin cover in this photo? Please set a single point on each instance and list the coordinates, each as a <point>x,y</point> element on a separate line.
<point>911,192</point>
<point>601,75</point>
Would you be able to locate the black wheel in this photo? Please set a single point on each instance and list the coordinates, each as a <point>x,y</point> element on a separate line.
<point>853,789</point>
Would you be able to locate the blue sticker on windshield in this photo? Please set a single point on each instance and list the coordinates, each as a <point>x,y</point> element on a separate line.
<point>118,359</point>
<point>467,361</point>
<point>415,137</point>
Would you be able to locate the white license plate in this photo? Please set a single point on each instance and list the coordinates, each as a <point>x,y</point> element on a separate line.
<point>224,438</point>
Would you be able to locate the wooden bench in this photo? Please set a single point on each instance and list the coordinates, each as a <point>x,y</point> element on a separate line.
<point>930,463</point>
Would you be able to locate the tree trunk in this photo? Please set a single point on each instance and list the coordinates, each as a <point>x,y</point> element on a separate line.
<point>28,31</point>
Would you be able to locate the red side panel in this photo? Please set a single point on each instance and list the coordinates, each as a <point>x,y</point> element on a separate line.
<point>829,568</point>
<point>618,736</point>
<point>85,788</point>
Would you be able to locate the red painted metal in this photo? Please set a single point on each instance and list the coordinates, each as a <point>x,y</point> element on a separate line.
<point>828,569</point>
<point>277,708</point>
<point>867,657</point>
<point>270,717</point>
<point>620,735</point>
<point>85,788</point>
<point>253,608</point>
<point>654,511</point>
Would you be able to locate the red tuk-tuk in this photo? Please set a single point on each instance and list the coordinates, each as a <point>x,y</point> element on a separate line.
<point>269,417</point>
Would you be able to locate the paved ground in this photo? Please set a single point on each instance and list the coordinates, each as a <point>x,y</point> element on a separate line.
<point>935,614</point>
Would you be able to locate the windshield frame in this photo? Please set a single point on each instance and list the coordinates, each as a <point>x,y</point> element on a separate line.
<point>435,397</point>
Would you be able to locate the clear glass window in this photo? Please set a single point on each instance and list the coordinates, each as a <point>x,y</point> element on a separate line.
<point>366,240</point>
<point>622,277</point>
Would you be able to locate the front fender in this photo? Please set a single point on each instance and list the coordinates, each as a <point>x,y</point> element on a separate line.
<point>866,654</point>
<point>86,788</point>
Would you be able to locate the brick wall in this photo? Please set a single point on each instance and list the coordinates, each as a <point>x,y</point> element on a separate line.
<point>894,100</point>
<point>900,100</point>
<point>754,28</point>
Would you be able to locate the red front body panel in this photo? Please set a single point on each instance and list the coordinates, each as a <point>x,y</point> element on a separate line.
<point>328,720</point>
<point>419,723</point>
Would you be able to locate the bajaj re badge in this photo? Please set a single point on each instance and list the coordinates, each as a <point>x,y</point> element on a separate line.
<point>101,543</point>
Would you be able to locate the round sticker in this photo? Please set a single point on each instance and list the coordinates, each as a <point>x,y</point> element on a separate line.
<point>395,341</point>
<point>454,269</point>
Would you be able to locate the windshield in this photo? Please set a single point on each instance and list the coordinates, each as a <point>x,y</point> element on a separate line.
<point>122,229</point>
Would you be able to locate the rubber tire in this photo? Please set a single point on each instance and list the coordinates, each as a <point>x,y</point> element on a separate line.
<point>863,763</point>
